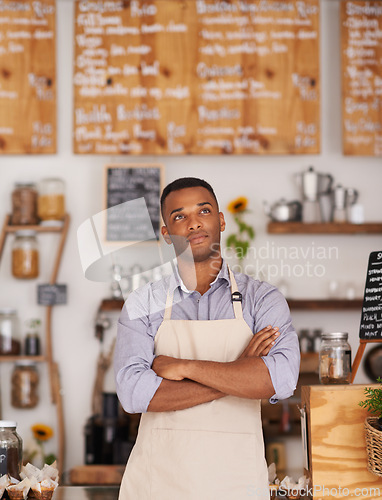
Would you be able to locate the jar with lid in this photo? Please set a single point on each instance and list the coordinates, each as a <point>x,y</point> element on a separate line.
<point>11,449</point>
<point>24,204</point>
<point>335,358</point>
<point>9,332</point>
<point>51,200</point>
<point>25,255</point>
<point>32,338</point>
<point>25,381</point>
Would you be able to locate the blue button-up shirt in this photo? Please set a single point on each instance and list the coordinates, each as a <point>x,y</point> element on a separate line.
<point>142,315</point>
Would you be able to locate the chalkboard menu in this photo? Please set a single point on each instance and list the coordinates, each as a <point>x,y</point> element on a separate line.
<point>361,40</point>
<point>133,202</point>
<point>196,76</point>
<point>27,77</point>
<point>51,295</point>
<point>371,319</point>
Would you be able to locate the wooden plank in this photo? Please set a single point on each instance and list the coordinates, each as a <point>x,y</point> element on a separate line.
<point>97,474</point>
<point>14,359</point>
<point>200,77</point>
<point>27,77</point>
<point>324,304</point>
<point>337,450</point>
<point>37,228</point>
<point>111,304</point>
<point>324,228</point>
<point>361,55</point>
<point>309,362</point>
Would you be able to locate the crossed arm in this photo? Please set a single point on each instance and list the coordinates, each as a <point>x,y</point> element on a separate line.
<point>188,383</point>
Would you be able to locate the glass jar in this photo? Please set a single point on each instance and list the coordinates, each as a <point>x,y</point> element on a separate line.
<point>25,381</point>
<point>11,449</point>
<point>25,255</point>
<point>335,359</point>
<point>9,332</point>
<point>51,199</point>
<point>24,204</point>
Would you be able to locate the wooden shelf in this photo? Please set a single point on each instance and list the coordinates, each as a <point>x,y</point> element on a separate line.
<point>324,228</point>
<point>54,376</point>
<point>13,359</point>
<point>309,362</point>
<point>37,228</point>
<point>302,304</point>
<point>111,304</point>
<point>325,304</point>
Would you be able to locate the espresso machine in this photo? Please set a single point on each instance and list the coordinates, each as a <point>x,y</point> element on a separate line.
<point>110,436</point>
<point>316,191</point>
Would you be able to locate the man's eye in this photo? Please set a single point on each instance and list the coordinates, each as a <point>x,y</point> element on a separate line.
<point>205,210</point>
<point>177,217</point>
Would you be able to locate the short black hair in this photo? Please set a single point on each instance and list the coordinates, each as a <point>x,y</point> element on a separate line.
<point>182,183</point>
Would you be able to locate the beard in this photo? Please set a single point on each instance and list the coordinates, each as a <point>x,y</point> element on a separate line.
<point>197,253</point>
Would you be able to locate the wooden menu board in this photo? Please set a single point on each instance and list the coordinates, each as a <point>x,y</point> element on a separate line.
<point>371,318</point>
<point>196,76</point>
<point>361,43</point>
<point>27,77</point>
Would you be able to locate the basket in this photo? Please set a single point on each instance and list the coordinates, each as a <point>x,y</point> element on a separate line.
<point>373,446</point>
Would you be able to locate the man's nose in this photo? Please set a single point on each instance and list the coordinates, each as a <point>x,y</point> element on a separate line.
<point>194,223</point>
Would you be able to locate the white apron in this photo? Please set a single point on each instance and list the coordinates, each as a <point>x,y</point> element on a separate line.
<point>212,451</point>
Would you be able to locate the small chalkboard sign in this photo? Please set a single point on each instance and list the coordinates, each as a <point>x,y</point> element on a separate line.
<point>371,318</point>
<point>51,295</point>
<point>132,201</point>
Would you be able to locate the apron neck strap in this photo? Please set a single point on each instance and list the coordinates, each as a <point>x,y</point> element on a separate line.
<point>236,303</point>
<point>167,311</point>
<point>237,307</point>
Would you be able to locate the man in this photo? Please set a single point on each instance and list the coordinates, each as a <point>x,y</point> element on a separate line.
<point>195,353</point>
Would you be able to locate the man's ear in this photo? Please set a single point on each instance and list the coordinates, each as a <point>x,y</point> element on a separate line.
<point>165,235</point>
<point>222,222</point>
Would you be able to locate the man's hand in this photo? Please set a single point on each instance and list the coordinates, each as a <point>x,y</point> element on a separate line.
<point>168,367</point>
<point>261,343</point>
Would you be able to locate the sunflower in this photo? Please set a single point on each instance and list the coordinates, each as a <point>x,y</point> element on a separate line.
<point>238,205</point>
<point>42,432</point>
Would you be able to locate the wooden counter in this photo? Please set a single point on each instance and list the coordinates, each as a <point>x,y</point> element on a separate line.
<point>86,493</point>
<point>336,443</point>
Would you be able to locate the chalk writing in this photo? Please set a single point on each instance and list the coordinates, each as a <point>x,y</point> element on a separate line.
<point>27,30</point>
<point>361,31</point>
<point>198,76</point>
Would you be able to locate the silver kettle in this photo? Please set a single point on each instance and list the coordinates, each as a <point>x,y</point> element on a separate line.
<point>283,211</point>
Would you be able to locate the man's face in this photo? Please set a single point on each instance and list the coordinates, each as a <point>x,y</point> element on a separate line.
<point>193,222</point>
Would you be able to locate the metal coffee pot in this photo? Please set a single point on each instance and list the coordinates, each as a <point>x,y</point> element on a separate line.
<point>343,198</point>
<point>313,183</point>
<point>283,211</point>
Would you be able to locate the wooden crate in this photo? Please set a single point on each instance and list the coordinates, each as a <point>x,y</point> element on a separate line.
<point>336,443</point>
<point>97,474</point>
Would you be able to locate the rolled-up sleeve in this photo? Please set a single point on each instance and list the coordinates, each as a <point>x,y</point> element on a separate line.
<point>136,382</point>
<point>283,360</point>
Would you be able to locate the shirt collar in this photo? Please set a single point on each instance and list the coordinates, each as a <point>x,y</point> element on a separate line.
<point>177,282</point>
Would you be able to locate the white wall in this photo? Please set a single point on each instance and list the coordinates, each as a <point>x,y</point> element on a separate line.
<point>257,177</point>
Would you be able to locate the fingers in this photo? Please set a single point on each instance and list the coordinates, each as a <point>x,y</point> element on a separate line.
<point>262,342</point>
